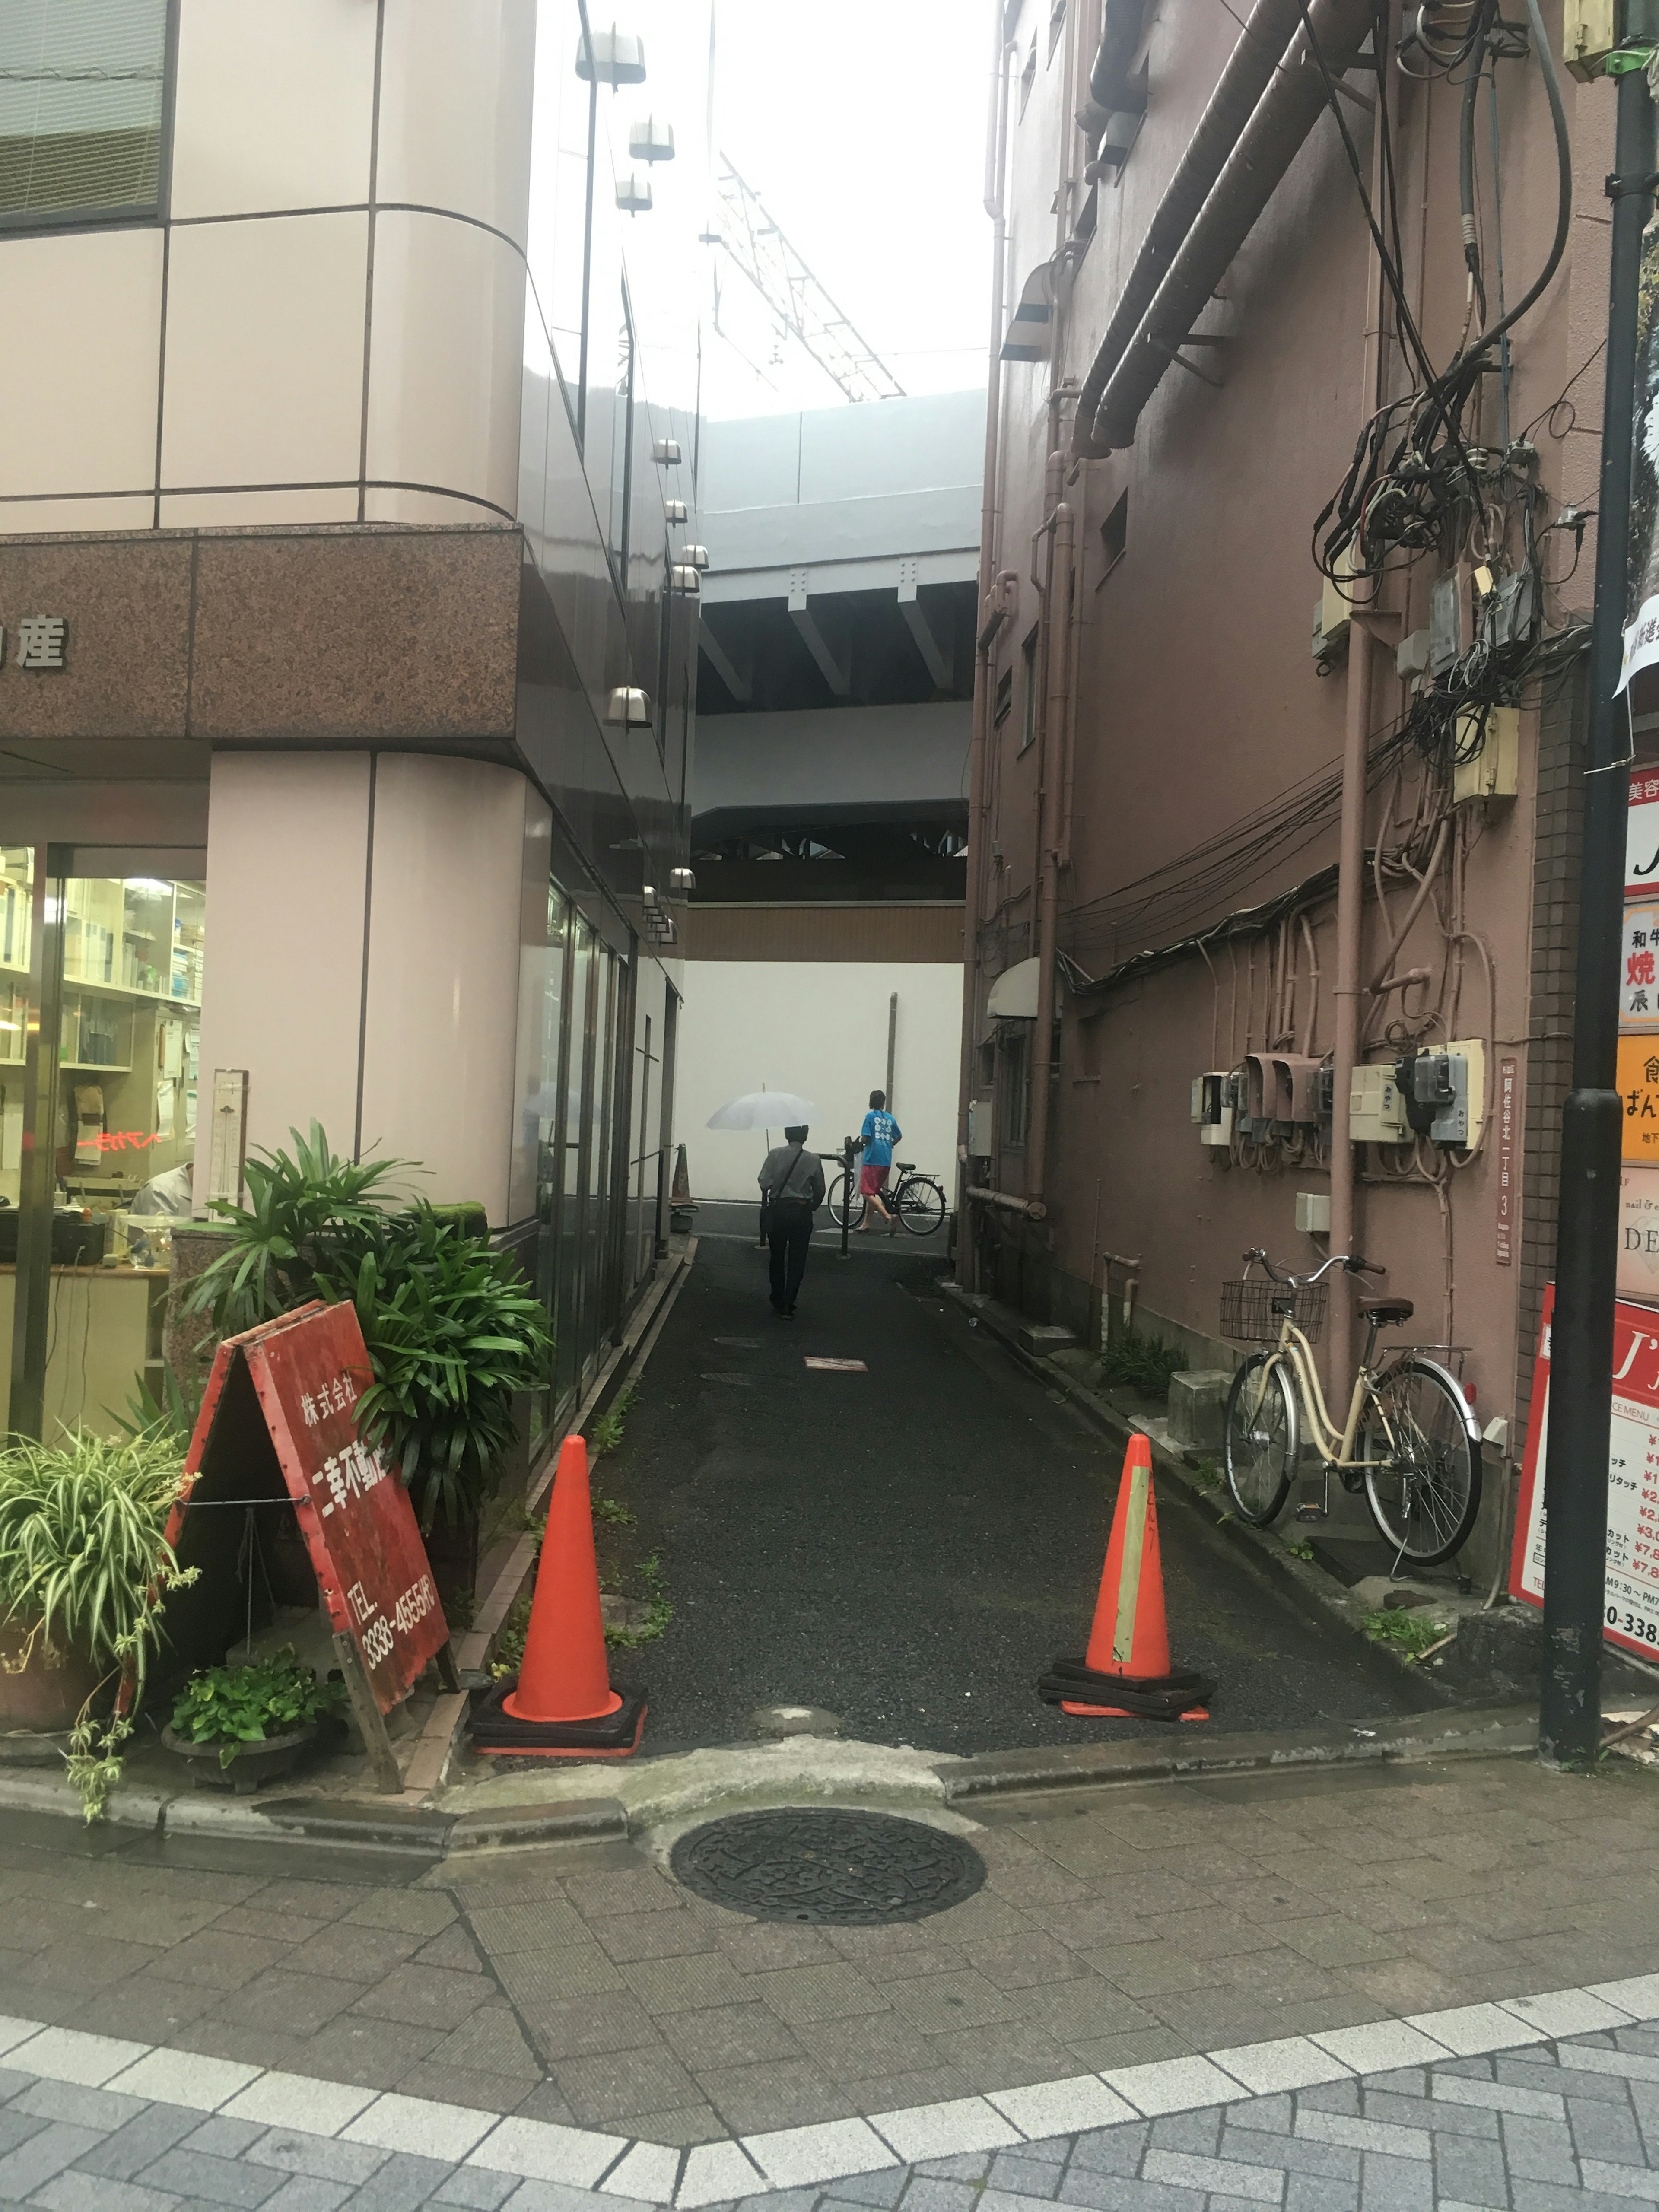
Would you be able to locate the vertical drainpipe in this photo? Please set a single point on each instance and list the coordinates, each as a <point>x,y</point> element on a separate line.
<point>990,627</point>
<point>1058,692</point>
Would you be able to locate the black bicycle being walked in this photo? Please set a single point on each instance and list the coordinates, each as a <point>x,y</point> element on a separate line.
<point>917,1200</point>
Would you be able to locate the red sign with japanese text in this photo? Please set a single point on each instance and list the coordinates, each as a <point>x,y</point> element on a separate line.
<point>1630,1601</point>
<point>309,1369</point>
<point>1642,835</point>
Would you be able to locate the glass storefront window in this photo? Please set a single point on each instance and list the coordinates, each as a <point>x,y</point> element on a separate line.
<point>121,961</point>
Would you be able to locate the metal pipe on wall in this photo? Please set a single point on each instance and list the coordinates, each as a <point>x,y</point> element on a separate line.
<point>990,623</point>
<point>1248,71</point>
<point>1350,893</point>
<point>1262,150</point>
<point>1055,708</point>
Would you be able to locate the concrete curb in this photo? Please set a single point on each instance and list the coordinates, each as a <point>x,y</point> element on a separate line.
<point>1500,1731</point>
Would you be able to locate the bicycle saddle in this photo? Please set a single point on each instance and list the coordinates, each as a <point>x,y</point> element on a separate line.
<point>1383,1311</point>
<point>904,1166</point>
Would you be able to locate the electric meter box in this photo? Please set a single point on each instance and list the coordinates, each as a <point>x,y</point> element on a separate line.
<point>1212,1106</point>
<point>1313,1213</point>
<point>1376,1112</point>
<point>1460,1120</point>
<point>1590,32</point>
<point>1493,772</point>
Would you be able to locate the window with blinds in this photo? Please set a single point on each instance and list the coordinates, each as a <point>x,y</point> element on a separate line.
<point>82,87</point>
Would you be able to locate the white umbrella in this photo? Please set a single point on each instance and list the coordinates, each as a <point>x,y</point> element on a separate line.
<point>764,1109</point>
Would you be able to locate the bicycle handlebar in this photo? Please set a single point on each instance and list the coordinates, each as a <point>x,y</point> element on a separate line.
<point>1351,1261</point>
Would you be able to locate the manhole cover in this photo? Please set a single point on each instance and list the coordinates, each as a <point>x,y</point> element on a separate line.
<point>850,1869</point>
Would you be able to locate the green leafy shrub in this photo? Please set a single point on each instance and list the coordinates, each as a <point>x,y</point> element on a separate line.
<point>235,1705</point>
<point>1144,1363</point>
<point>84,1566</point>
<point>454,1331</point>
<point>306,1214</point>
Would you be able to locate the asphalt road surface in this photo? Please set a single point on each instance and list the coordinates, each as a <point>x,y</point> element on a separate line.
<point>911,1545</point>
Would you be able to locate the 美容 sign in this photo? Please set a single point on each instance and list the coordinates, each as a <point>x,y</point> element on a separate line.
<point>40,642</point>
<point>1642,834</point>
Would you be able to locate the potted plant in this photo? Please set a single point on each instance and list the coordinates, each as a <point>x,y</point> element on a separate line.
<point>453,1333</point>
<point>237,1727</point>
<point>453,1330</point>
<point>84,1566</point>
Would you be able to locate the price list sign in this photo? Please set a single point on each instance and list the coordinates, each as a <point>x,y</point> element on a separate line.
<point>1630,1601</point>
<point>287,1392</point>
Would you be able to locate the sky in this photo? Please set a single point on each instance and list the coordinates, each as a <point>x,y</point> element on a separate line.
<point>863,131</point>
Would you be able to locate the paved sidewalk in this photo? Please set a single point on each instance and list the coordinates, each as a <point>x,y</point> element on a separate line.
<point>581,1985</point>
<point>1531,2125</point>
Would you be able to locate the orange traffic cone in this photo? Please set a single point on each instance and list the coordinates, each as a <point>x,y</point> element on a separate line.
<point>562,1706</point>
<point>1127,1661</point>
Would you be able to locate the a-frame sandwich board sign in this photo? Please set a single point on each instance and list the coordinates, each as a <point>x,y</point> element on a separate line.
<point>277,1425</point>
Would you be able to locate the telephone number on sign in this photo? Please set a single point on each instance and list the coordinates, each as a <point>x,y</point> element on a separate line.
<point>1632,1625</point>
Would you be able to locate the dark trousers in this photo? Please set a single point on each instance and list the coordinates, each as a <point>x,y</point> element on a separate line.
<point>789,1231</point>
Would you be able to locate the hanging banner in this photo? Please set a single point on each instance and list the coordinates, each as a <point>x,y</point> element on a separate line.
<point>1631,1598</point>
<point>1642,606</point>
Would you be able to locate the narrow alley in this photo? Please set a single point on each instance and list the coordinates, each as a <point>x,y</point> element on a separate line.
<point>907,1544</point>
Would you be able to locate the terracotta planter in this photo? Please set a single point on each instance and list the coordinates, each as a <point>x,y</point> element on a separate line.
<point>254,1764</point>
<point>48,1692</point>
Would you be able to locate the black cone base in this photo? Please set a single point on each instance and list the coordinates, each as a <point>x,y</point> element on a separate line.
<point>1177,1696</point>
<point>613,1736</point>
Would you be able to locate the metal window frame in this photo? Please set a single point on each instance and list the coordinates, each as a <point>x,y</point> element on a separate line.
<point>48,221</point>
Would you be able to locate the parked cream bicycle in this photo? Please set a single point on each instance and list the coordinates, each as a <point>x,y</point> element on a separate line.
<point>1410,1440</point>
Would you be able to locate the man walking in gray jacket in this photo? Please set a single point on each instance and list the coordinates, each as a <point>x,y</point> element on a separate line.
<point>792,1180</point>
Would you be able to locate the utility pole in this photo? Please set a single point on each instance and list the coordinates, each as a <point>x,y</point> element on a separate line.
<point>1581,1347</point>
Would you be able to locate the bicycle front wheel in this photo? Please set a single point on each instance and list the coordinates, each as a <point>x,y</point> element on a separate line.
<point>920,1205</point>
<point>1424,1484</point>
<point>843,1208</point>
<point>1260,1441</point>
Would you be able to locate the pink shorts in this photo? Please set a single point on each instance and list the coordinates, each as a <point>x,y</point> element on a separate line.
<point>873,1181</point>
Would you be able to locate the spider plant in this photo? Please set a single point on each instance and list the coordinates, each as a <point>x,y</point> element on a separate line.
<point>306,1214</point>
<point>84,1564</point>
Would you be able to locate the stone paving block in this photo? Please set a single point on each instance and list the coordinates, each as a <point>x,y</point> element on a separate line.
<point>1341,2096</point>
<point>84,2108</point>
<point>1604,2131</point>
<point>1470,2171</point>
<point>380,2051</point>
<point>1109,2150</point>
<point>45,2151</point>
<point>223,2137</point>
<point>963,2124</point>
<point>354,1953</point>
<point>1025,2177</point>
<point>305,2192</point>
<point>614,2083</point>
<point>299,2101</point>
<point>1292,2061</point>
<point>882,2190</point>
<point>927,2193</point>
<point>1499,2097</point>
<point>415,2126</point>
<point>1626,2064</point>
<point>74,2191</point>
<point>939,2004</point>
<point>1551,2080</point>
<point>1294,2153</point>
<point>1623,2181</point>
<point>212,2180</point>
<point>1307,2192</point>
<point>404,2183</point>
<point>1425,2112</point>
<point>1114,2193</point>
<point>548,1925</point>
<point>154,2130</point>
<point>1068,2106</point>
<point>1395,2185</point>
<point>221,1962</point>
<point>477,2192</point>
<point>966,2166</point>
<point>1198,2131</point>
<point>1538,2150</point>
<point>1254,2184</point>
<point>731,2035</point>
<point>63,2054</point>
<point>322,2157</point>
<point>1362,2134</point>
<point>297,2003</point>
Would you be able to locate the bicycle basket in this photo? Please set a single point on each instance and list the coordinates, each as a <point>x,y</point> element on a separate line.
<point>1251,1311</point>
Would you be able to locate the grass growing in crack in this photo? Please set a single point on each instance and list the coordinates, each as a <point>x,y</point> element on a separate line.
<point>1141,1363</point>
<point>1297,1550</point>
<point>1206,1475</point>
<point>607,1432</point>
<point>657,1611</point>
<point>1410,1634</point>
<point>613,1510</point>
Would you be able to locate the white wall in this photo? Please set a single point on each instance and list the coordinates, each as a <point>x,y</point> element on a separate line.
<point>820,1028</point>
